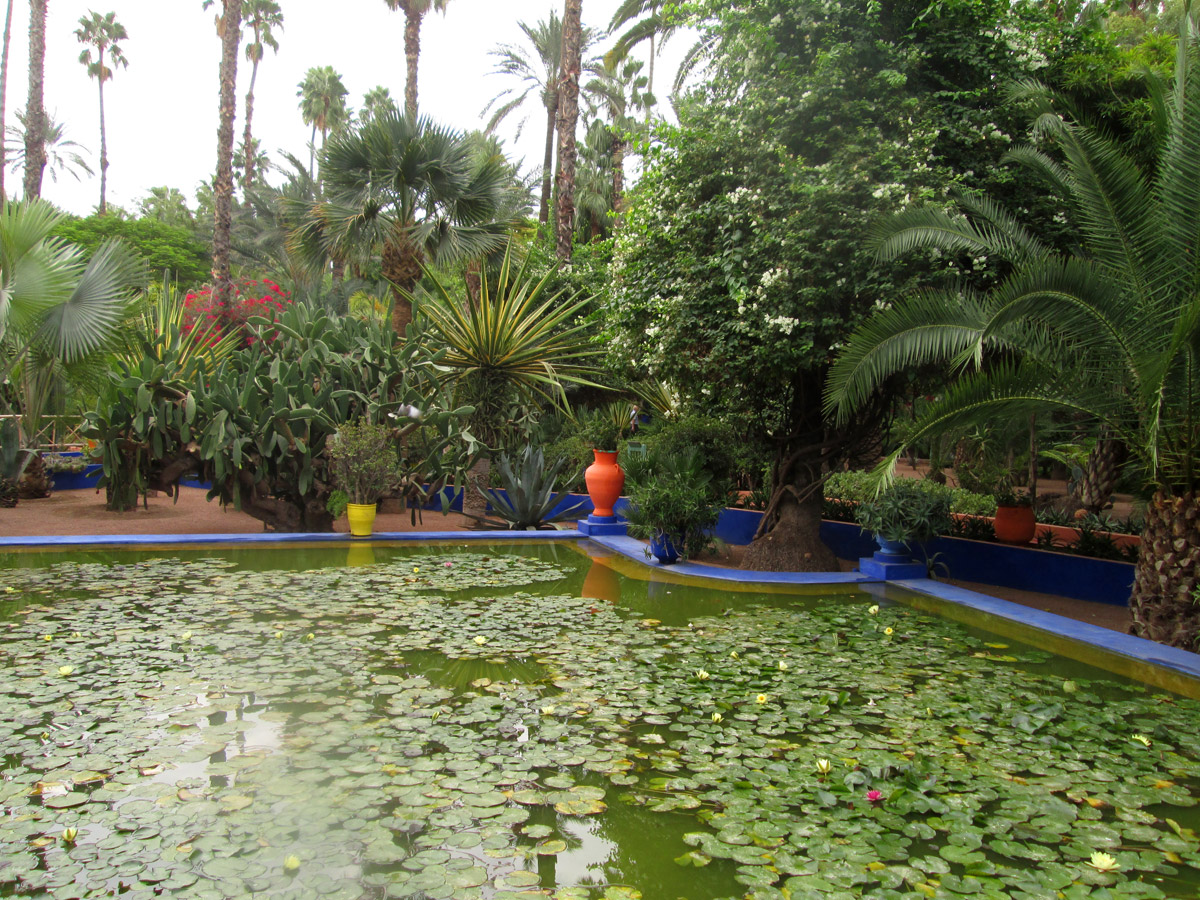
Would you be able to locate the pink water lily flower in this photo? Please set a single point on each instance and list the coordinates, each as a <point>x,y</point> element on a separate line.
<point>874,796</point>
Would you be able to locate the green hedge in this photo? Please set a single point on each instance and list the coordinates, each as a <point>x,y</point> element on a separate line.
<point>841,487</point>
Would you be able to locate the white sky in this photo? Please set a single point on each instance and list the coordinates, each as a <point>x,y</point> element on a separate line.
<point>161,112</point>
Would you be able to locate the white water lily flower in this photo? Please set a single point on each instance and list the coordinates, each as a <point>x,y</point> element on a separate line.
<point>1102,862</point>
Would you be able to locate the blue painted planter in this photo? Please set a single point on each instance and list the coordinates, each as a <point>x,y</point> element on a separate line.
<point>662,549</point>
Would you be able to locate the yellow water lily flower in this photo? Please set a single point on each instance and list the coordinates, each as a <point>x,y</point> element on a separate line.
<point>47,637</point>
<point>733,654</point>
<point>1102,862</point>
<point>69,835</point>
<point>548,710</point>
<point>887,630</point>
<point>702,675</point>
<point>186,636</point>
<point>279,635</point>
<point>717,717</point>
<point>783,666</point>
<point>76,634</point>
<point>481,640</point>
<point>873,610</point>
<point>1141,739</point>
<point>824,766</point>
<point>761,698</point>
<point>291,863</point>
<point>310,636</point>
<point>9,590</point>
<point>65,670</point>
<point>416,569</point>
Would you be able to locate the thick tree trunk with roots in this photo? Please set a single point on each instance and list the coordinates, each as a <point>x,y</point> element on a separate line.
<point>789,539</point>
<point>35,110</point>
<point>1163,603</point>
<point>568,116</point>
<point>230,31</point>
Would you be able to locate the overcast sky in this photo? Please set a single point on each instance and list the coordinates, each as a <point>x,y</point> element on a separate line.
<point>161,112</point>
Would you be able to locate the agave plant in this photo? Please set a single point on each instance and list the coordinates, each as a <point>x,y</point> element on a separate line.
<point>529,500</point>
<point>1109,334</point>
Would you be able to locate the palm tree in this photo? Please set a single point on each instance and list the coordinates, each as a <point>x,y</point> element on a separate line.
<point>323,105</point>
<point>568,117</point>
<point>59,154</point>
<point>644,21</point>
<point>414,12</point>
<point>619,90</point>
<point>261,16</point>
<point>1110,334</point>
<point>411,191</point>
<point>35,129</point>
<point>4,92</point>
<point>102,33</point>
<point>537,71</point>
<point>229,28</point>
<point>377,101</point>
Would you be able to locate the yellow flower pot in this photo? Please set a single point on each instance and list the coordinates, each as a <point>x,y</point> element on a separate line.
<point>362,518</point>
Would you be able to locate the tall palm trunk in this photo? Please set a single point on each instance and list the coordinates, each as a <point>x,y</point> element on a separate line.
<point>247,140</point>
<point>618,164</point>
<point>548,163</point>
<point>1168,570</point>
<point>35,112</point>
<point>4,91</point>
<point>412,56</point>
<point>231,31</point>
<point>1100,474</point>
<point>568,115</point>
<point>103,143</point>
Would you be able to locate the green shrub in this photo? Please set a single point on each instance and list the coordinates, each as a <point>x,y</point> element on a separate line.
<point>907,512</point>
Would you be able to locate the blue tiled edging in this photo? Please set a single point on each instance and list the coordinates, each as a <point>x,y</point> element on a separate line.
<point>271,537</point>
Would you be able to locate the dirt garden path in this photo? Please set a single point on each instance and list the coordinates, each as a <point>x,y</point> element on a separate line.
<point>82,512</point>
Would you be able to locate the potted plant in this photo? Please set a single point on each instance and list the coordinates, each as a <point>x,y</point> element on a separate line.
<point>363,464</point>
<point>529,500</point>
<point>1016,522</point>
<point>604,477</point>
<point>674,507</point>
<point>904,516</point>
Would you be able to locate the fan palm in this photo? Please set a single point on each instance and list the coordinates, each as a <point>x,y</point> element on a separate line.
<point>412,191</point>
<point>1110,333</point>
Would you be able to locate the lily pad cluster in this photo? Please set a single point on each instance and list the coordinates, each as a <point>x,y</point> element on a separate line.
<point>436,727</point>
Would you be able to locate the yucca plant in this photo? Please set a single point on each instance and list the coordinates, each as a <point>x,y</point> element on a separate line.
<point>1110,334</point>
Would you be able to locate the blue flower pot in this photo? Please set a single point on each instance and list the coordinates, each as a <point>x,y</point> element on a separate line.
<point>891,551</point>
<point>663,550</point>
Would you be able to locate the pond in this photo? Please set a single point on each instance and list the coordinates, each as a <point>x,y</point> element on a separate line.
<point>522,721</point>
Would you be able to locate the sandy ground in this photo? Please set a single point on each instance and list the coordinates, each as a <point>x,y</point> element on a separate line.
<point>82,512</point>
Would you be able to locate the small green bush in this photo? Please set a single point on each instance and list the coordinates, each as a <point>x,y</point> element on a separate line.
<point>857,487</point>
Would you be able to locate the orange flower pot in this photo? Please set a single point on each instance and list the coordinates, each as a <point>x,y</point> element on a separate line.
<point>1015,524</point>
<point>605,481</point>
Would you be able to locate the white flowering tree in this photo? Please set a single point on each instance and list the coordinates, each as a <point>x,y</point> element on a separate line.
<point>745,262</point>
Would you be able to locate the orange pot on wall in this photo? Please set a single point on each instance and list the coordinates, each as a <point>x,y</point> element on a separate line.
<point>1015,524</point>
<point>605,481</point>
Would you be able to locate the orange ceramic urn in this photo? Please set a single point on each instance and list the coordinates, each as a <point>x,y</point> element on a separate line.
<point>605,480</point>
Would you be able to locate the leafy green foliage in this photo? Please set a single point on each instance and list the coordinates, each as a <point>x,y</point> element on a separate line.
<point>362,460</point>
<point>161,246</point>
<point>906,513</point>
<point>530,500</point>
<point>673,497</point>
<point>257,425</point>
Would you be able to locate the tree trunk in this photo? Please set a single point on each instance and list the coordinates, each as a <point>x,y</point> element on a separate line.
<point>478,478</point>
<point>1100,474</point>
<point>568,115</point>
<point>618,164</point>
<point>35,111</point>
<point>793,542</point>
<point>400,262</point>
<point>412,56</point>
<point>4,93</point>
<point>1163,604</point>
<point>103,144</point>
<point>231,31</point>
<point>247,139</point>
<point>548,164</point>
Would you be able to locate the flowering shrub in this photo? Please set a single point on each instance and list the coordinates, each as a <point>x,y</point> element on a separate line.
<point>250,298</point>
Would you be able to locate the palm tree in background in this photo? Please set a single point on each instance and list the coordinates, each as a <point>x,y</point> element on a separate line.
<point>643,20</point>
<point>323,105</point>
<point>412,192</point>
<point>35,106</point>
<point>376,102</point>
<point>102,33</point>
<point>260,16</point>
<point>568,119</point>
<point>414,12</point>
<point>60,154</point>
<point>4,92</point>
<point>535,68</point>
<point>619,91</point>
<point>229,28</point>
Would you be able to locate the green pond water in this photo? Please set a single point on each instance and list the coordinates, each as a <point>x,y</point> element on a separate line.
<point>523,721</point>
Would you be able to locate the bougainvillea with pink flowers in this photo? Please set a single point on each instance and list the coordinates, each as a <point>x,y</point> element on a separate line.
<point>249,298</point>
